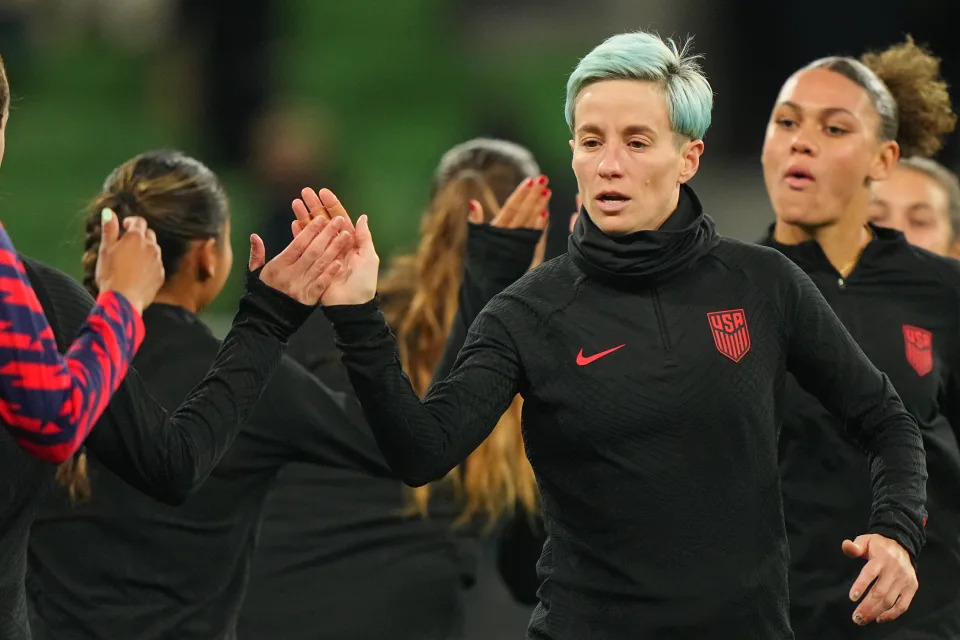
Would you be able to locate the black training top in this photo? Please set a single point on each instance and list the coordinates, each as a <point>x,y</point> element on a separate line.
<point>167,455</point>
<point>421,565</point>
<point>151,570</point>
<point>902,306</point>
<point>653,368</point>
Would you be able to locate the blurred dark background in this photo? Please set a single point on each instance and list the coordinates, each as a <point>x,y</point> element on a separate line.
<point>365,96</point>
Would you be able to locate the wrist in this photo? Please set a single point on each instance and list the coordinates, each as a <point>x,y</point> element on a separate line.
<point>132,300</point>
<point>346,300</point>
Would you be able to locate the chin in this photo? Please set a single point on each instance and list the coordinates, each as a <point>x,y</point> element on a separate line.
<point>801,212</point>
<point>613,225</point>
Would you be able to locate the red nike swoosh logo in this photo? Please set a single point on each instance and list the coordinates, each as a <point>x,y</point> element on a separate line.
<point>582,361</point>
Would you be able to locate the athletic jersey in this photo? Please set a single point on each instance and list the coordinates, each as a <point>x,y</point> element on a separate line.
<point>653,369</point>
<point>152,570</point>
<point>902,306</point>
<point>49,402</point>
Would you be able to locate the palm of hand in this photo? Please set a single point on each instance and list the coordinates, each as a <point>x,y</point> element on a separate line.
<point>356,283</point>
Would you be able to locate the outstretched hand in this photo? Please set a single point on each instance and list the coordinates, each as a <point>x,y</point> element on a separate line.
<point>316,204</point>
<point>309,264</point>
<point>357,283</point>
<point>890,572</point>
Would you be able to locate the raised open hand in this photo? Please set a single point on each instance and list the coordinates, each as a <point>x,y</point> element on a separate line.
<point>310,263</point>
<point>357,283</point>
<point>525,208</point>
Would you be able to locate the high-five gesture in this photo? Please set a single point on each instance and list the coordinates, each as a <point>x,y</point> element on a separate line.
<point>890,572</point>
<point>313,204</point>
<point>357,282</point>
<point>310,263</point>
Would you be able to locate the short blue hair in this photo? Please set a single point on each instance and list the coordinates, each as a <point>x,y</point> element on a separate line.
<point>645,56</point>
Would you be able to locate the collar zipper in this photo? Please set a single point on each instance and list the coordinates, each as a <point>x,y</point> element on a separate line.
<point>664,336</point>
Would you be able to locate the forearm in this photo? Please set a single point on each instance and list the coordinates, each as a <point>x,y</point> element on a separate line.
<point>421,441</point>
<point>169,456</point>
<point>898,477</point>
<point>49,401</point>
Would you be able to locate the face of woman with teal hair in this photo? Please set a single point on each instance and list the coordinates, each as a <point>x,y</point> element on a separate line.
<point>638,109</point>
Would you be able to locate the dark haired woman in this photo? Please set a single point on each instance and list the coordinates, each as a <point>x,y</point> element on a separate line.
<point>839,125</point>
<point>166,455</point>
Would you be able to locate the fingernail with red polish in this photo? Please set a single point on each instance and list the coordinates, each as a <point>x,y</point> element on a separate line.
<point>544,214</point>
<point>542,180</point>
<point>529,182</point>
<point>546,192</point>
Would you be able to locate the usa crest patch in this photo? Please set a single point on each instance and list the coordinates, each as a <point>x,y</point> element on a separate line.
<point>919,348</point>
<point>730,333</point>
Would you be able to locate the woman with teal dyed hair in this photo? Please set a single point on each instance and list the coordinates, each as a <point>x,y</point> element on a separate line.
<point>651,358</point>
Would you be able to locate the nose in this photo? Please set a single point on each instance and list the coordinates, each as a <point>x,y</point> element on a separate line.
<point>803,143</point>
<point>610,163</point>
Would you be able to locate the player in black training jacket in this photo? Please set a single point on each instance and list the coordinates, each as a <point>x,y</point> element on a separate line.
<point>165,454</point>
<point>838,126</point>
<point>652,359</point>
<point>149,569</point>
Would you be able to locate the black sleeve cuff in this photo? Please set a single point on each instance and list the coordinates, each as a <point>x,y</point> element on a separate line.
<point>278,314</point>
<point>501,253</point>
<point>356,323</point>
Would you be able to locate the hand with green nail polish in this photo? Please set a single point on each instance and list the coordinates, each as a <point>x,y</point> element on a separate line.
<point>888,578</point>
<point>131,264</point>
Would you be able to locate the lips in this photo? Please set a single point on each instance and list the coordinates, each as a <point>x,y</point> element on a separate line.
<point>612,201</point>
<point>798,177</point>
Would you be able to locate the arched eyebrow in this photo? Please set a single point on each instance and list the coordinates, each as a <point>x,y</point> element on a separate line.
<point>632,130</point>
<point>824,113</point>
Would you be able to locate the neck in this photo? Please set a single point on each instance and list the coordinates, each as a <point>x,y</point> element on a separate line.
<point>649,256</point>
<point>170,295</point>
<point>842,241</point>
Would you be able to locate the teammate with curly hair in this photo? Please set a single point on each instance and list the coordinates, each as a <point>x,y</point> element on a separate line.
<point>839,126</point>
